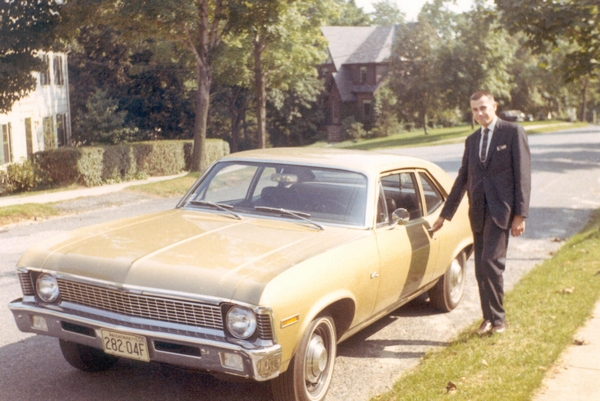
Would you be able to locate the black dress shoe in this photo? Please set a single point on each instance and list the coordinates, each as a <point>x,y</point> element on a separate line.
<point>500,328</point>
<point>486,327</point>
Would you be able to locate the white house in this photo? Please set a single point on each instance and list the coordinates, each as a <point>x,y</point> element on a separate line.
<point>42,120</point>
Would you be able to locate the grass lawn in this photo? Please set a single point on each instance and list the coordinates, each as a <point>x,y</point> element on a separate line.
<point>546,307</point>
<point>168,188</point>
<point>28,211</point>
<point>440,136</point>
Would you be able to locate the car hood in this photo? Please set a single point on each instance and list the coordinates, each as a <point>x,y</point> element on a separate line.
<point>202,253</point>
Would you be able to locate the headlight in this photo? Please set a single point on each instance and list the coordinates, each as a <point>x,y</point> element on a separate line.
<point>241,322</point>
<point>47,288</point>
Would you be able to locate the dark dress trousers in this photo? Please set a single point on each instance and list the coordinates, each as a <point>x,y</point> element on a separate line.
<point>498,189</point>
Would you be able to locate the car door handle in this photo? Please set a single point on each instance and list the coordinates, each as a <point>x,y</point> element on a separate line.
<point>374,275</point>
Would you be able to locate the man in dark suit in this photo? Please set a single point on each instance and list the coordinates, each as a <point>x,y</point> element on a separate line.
<point>496,175</point>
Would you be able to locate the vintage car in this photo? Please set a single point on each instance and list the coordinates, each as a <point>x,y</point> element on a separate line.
<point>271,259</point>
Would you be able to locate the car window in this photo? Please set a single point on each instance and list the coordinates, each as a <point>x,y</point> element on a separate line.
<point>400,191</point>
<point>229,184</point>
<point>433,197</point>
<point>383,212</point>
<point>327,195</point>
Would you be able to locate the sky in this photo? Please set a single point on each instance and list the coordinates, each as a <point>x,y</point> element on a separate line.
<point>411,8</point>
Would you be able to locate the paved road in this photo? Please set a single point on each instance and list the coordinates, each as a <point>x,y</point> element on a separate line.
<point>566,189</point>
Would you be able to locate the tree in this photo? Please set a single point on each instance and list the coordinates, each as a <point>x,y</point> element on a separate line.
<point>102,123</point>
<point>347,13</point>
<point>545,22</point>
<point>415,72</point>
<point>286,44</point>
<point>478,56</point>
<point>195,26</point>
<point>147,78</point>
<point>26,27</point>
<point>386,13</point>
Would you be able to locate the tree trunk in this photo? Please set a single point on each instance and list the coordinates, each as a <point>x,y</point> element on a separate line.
<point>586,84</point>
<point>425,121</point>
<point>261,91</point>
<point>199,162</point>
<point>235,130</point>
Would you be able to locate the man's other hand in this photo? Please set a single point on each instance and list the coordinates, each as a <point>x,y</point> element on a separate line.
<point>518,226</point>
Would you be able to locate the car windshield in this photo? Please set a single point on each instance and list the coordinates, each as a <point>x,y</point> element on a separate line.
<point>325,195</point>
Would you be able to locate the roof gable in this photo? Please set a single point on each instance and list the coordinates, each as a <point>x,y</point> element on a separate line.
<point>359,44</point>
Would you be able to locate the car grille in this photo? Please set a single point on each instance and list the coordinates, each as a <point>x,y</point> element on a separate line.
<point>26,284</point>
<point>142,306</point>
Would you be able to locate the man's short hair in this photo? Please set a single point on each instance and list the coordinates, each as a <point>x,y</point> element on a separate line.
<point>479,94</point>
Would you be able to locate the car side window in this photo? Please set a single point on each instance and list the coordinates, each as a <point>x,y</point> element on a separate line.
<point>400,191</point>
<point>433,197</point>
<point>382,209</point>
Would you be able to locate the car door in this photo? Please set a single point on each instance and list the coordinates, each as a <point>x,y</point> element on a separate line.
<point>408,252</point>
<point>432,201</point>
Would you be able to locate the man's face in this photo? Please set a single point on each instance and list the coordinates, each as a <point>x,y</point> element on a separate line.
<point>484,110</point>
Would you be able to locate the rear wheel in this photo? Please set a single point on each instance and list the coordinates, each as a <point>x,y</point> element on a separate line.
<point>448,291</point>
<point>86,358</point>
<point>309,375</point>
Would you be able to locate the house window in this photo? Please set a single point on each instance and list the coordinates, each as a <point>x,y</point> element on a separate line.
<point>363,75</point>
<point>367,108</point>
<point>6,148</point>
<point>29,138</point>
<point>324,72</point>
<point>61,129</point>
<point>45,75</point>
<point>58,71</point>
<point>49,138</point>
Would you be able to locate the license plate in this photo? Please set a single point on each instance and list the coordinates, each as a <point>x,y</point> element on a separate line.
<point>125,345</point>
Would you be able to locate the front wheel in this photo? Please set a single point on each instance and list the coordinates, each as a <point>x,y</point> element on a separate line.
<point>311,369</point>
<point>86,358</point>
<point>448,291</point>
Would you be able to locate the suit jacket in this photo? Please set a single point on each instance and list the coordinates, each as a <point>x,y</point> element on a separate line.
<point>503,182</point>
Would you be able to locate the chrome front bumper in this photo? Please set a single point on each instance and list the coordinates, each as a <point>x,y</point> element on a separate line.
<point>209,352</point>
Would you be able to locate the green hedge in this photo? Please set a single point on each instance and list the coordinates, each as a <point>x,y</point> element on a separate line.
<point>96,165</point>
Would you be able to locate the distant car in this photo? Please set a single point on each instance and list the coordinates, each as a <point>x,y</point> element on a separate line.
<point>515,115</point>
<point>271,259</point>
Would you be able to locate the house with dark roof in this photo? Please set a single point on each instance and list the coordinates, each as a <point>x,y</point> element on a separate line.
<point>356,67</point>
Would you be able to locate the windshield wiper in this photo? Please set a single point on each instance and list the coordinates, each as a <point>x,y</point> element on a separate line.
<point>221,206</point>
<point>293,213</point>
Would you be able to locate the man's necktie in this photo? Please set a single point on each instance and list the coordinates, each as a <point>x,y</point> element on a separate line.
<point>484,143</point>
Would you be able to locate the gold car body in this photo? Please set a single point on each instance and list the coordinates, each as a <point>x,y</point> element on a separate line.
<point>284,269</point>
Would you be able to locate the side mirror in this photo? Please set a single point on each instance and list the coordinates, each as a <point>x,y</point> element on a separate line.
<point>400,216</point>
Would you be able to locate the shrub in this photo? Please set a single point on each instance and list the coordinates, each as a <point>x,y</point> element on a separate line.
<point>355,130</point>
<point>119,164</point>
<point>160,157</point>
<point>22,177</point>
<point>67,166</point>
<point>92,166</point>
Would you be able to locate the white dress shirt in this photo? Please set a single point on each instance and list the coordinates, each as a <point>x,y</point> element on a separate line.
<point>491,128</point>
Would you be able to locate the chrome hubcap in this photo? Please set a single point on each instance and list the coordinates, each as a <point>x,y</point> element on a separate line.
<point>316,359</point>
<point>456,280</point>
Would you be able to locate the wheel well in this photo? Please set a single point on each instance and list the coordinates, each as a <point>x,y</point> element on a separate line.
<point>468,251</point>
<point>342,312</point>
